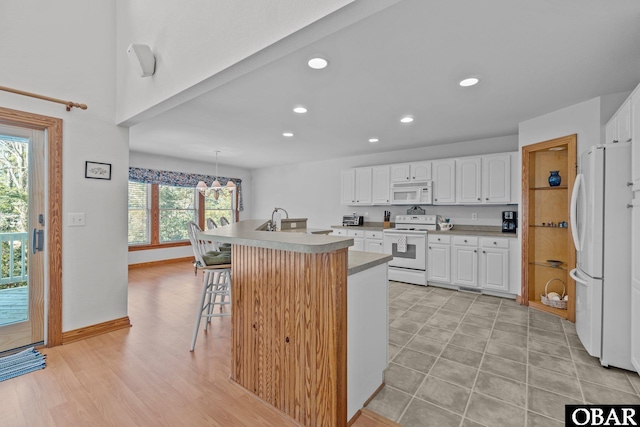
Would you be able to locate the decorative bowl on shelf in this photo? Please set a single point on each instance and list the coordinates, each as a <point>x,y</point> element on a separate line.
<point>554,262</point>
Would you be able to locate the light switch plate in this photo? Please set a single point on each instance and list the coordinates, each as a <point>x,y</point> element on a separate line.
<point>75,220</point>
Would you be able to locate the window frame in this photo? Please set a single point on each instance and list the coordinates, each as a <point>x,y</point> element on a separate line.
<point>155,222</point>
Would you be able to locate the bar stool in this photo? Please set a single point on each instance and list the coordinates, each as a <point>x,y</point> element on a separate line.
<point>216,281</point>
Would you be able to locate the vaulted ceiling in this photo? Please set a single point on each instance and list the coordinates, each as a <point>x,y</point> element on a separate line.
<point>531,57</point>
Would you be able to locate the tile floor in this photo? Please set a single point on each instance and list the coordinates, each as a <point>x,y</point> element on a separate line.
<point>460,359</point>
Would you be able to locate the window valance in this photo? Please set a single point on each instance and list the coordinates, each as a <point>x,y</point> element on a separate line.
<point>181,179</point>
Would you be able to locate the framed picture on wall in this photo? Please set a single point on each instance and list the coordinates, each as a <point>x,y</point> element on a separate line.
<point>96,170</point>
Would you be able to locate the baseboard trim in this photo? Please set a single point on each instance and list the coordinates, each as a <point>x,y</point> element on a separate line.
<point>379,418</point>
<point>95,330</point>
<point>162,261</point>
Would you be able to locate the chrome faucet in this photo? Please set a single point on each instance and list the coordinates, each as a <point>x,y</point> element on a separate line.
<point>272,226</point>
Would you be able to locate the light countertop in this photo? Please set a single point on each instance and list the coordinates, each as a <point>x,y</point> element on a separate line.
<point>245,233</point>
<point>295,240</point>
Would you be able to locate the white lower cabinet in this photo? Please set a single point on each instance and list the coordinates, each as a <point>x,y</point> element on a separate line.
<point>363,240</point>
<point>439,259</point>
<point>465,261</point>
<point>373,241</point>
<point>469,261</point>
<point>494,264</point>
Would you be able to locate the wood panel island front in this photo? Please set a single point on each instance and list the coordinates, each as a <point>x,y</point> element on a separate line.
<point>309,321</point>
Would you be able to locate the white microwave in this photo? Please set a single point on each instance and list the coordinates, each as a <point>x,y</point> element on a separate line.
<point>412,193</point>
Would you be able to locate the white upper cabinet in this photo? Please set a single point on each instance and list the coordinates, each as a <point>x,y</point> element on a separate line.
<point>444,188</point>
<point>421,171</point>
<point>623,122</point>
<point>380,188</point>
<point>348,182</point>
<point>484,179</point>
<point>468,180</point>
<point>356,186</point>
<point>618,129</point>
<point>635,139</point>
<point>400,173</point>
<point>496,178</point>
<point>407,172</point>
<point>611,131</point>
<point>364,186</point>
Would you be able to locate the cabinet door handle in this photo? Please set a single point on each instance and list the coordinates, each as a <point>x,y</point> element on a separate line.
<point>484,252</point>
<point>629,184</point>
<point>429,247</point>
<point>495,243</point>
<point>478,198</point>
<point>475,251</point>
<point>487,198</point>
<point>629,205</point>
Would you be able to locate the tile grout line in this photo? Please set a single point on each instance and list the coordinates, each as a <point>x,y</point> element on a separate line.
<point>413,396</point>
<point>484,352</point>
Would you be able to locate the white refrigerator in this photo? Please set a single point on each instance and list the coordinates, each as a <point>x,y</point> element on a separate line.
<point>601,224</point>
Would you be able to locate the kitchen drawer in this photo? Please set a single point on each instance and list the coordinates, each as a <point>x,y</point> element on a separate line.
<point>439,238</point>
<point>465,240</point>
<point>339,232</point>
<point>491,242</point>
<point>373,234</point>
<point>355,233</point>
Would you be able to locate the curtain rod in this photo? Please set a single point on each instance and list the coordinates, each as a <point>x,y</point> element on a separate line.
<point>69,104</point>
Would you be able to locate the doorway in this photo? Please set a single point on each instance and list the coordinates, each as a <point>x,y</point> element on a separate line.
<point>22,171</point>
<point>35,259</point>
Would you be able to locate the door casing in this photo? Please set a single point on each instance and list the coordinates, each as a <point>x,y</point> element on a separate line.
<point>52,127</point>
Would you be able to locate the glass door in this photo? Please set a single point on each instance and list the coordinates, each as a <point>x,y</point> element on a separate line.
<point>22,221</point>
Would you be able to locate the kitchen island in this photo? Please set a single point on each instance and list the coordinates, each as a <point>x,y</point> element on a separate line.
<point>309,321</point>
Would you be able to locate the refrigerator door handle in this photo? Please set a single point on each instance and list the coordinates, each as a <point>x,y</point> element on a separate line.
<point>573,212</point>
<point>574,275</point>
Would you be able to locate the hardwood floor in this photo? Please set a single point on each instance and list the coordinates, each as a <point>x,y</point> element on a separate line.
<point>144,375</point>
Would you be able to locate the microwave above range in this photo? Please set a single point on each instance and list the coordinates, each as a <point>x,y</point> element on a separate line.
<point>412,193</point>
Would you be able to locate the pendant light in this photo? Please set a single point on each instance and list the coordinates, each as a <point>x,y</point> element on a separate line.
<point>216,187</point>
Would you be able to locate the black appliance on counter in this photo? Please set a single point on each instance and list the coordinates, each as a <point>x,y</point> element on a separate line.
<point>509,221</point>
<point>352,219</point>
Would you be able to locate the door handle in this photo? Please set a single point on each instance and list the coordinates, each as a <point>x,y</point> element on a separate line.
<point>38,241</point>
<point>574,275</point>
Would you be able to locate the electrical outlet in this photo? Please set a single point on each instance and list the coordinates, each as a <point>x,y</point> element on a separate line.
<point>75,220</point>
<point>474,216</point>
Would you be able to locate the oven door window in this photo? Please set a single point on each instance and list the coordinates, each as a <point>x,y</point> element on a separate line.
<point>410,253</point>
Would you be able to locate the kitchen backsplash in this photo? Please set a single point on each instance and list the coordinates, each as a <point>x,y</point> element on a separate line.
<point>487,215</point>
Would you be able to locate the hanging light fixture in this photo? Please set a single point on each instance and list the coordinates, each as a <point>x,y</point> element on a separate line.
<point>216,188</point>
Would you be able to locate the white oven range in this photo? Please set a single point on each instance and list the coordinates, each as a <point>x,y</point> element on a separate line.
<point>407,242</point>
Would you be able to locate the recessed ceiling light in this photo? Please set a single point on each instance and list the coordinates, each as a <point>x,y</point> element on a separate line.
<point>469,81</point>
<point>407,119</point>
<point>318,63</point>
<point>372,140</point>
<point>300,109</point>
<point>287,134</point>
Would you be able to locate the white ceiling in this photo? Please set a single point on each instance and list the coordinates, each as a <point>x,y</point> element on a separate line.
<point>533,57</point>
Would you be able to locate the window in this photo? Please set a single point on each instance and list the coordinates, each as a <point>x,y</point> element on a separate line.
<point>220,207</point>
<point>158,214</point>
<point>139,213</point>
<point>177,207</point>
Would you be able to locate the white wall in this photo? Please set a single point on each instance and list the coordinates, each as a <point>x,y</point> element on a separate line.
<point>152,161</point>
<point>199,43</point>
<point>312,190</point>
<point>67,50</point>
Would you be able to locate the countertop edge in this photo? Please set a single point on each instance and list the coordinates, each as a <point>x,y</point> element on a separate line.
<point>360,261</point>
<point>245,233</point>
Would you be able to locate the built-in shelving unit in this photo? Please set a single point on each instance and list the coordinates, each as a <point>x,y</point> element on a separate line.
<point>545,204</point>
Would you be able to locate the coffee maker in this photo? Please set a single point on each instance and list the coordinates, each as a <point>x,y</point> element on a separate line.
<point>509,221</point>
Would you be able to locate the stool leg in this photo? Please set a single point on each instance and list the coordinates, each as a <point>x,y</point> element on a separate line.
<point>211,296</point>
<point>205,286</point>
